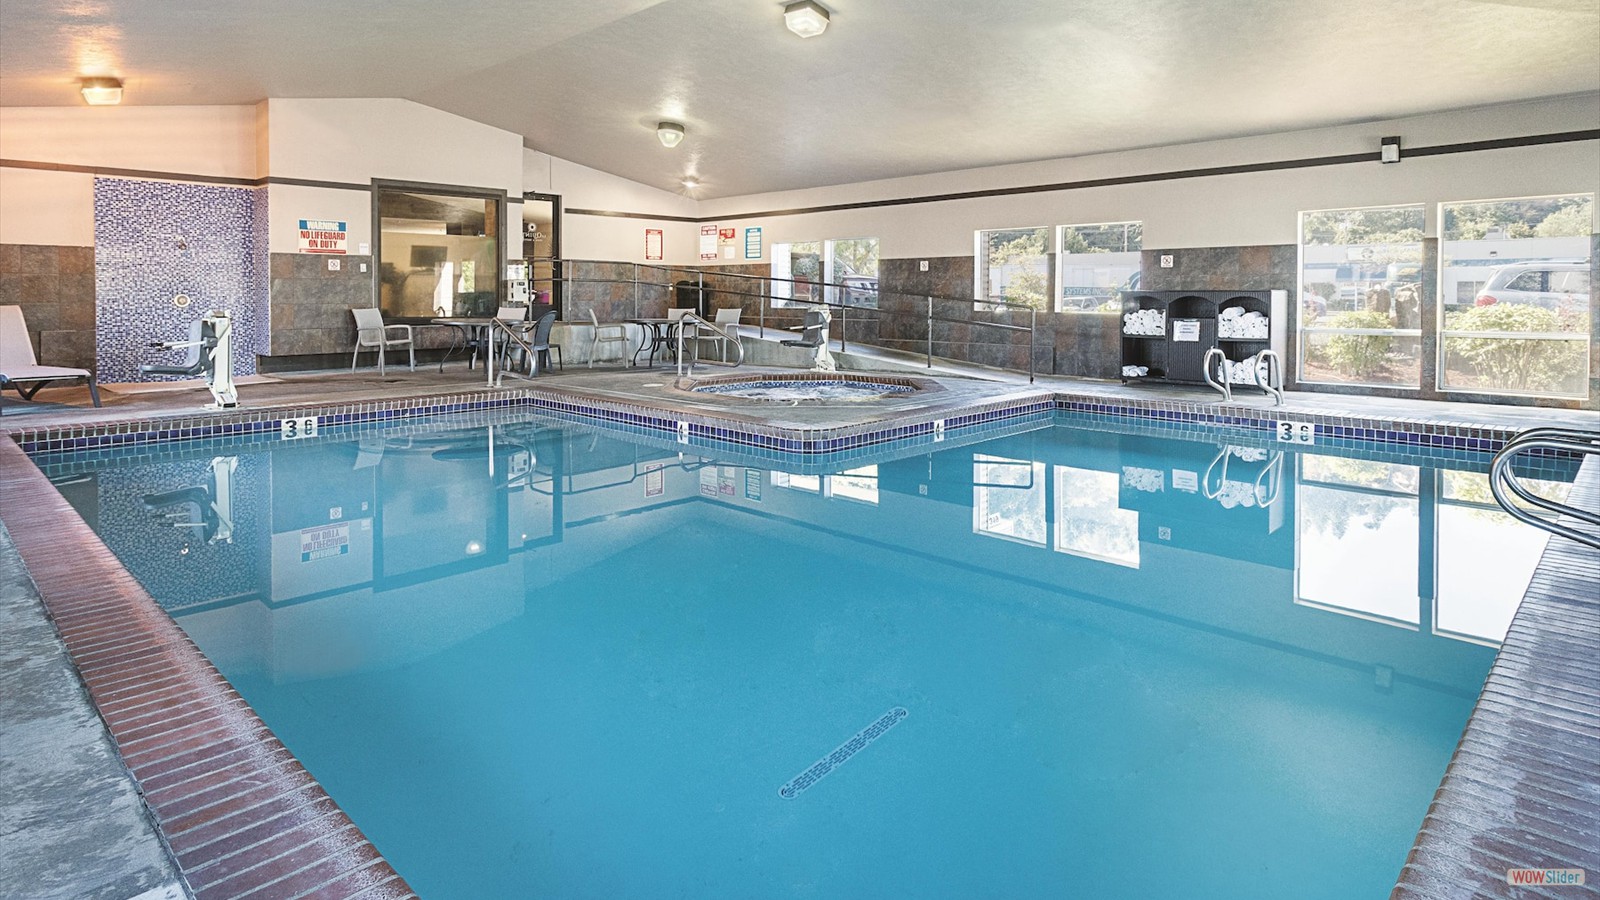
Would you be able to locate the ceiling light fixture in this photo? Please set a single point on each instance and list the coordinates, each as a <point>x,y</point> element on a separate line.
<point>806,18</point>
<point>669,133</point>
<point>101,91</point>
<point>691,183</point>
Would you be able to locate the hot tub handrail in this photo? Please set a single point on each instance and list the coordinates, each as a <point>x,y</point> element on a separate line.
<point>695,322</point>
<point>562,273</point>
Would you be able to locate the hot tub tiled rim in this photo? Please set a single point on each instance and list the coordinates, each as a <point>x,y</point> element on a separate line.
<point>58,544</point>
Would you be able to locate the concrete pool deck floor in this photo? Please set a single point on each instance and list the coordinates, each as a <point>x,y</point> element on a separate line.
<point>1461,826</point>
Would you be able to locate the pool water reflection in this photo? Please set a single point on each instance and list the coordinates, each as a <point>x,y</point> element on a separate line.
<point>536,658</point>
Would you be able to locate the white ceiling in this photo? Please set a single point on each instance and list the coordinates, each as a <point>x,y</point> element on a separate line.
<point>894,87</point>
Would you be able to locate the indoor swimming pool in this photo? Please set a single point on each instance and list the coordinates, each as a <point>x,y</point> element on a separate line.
<point>1060,657</point>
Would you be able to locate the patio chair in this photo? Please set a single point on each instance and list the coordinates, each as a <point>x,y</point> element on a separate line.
<point>19,365</point>
<point>372,333</point>
<point>728,321</point>
<point>814,333</point>
<point>609,333</point>
<point>537,335</point>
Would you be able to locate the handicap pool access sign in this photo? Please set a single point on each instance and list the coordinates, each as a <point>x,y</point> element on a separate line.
<point>323,236</point>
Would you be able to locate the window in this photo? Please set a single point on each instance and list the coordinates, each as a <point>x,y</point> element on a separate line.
<point>1514,296</point>
<point>843,271</point>
<point>437,252</point>
<point>1361,296</point>
<point>1096,263</point>
<point>1014,267</point>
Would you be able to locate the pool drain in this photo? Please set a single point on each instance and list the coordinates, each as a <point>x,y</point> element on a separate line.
<point>841,754</point>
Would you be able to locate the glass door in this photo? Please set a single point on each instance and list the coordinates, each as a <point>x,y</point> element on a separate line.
<point>541,244</point>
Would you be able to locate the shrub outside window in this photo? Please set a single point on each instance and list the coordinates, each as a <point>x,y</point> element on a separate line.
<point>1014,267</point>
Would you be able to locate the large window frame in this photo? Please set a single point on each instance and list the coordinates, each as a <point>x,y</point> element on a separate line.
<point>860,287</point>
<point>1103,259</point>
<point>1028,267</point>
<point>495,219</point>
<point>1357,321</point>
<point>1533,339</point>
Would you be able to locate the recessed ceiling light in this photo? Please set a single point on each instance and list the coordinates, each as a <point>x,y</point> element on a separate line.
<point>669,133</point>
<point>806,18</point>
<point>101,91</point>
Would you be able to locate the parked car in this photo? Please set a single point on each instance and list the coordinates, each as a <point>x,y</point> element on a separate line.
<point>860,290</point>
<point>1555,286</point>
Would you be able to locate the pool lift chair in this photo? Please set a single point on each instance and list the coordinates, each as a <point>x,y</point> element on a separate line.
<point>206,508</point>
<point>814,336</point>
<point>210,347</point>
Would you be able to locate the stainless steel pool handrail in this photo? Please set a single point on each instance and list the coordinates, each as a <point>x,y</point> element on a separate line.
<point>1503,480</point>
<point>694,321</point>
<point>561,276</point>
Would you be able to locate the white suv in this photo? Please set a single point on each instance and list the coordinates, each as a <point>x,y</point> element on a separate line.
<point>1552,285</point>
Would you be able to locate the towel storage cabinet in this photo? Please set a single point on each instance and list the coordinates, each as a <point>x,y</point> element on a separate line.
<point>1167,333</point>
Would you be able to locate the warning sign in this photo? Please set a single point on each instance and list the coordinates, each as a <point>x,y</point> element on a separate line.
<point>322,236</point>
<point>324,541</point>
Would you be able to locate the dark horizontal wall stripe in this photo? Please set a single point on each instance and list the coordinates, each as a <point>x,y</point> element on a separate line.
<point>576,211</point>
<point>129,173</point>
<point>1532,140</point>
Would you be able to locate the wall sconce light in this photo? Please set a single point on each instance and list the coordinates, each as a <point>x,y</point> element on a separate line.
<point>669,133</point>
<point>806,18</point>
<point>101,91</point>
<point>1389,150</point>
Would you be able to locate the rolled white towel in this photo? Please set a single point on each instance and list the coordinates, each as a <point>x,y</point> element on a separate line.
<point>1232,312</point>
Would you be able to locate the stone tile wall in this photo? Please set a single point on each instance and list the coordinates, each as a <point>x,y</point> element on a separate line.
<point>311,305</point>
<point>54,285</point>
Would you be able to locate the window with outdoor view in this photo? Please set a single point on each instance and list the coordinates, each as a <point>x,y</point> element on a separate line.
<point>1361,296</point>
<point>1514,296</point>
<point>843,271</point>
<point>1097,263</point>
<point>1014,267</point>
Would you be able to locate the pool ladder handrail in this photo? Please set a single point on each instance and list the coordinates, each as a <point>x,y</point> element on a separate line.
<point>1273,385</point>
<point>693,321</point>
<point>1503,480</point>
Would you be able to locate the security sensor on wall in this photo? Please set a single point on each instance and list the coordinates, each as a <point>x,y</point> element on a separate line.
<point>1389,150</point>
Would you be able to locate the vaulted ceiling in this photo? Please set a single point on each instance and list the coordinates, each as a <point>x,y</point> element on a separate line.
<point>893,87</point>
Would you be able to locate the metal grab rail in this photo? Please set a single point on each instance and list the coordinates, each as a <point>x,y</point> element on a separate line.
<point>561,276</point>
<point>693,319</point>
<point>1503,481</point>
<point>501,325</point>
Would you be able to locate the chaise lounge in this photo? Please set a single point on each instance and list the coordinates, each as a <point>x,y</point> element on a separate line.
<point>19,365</point>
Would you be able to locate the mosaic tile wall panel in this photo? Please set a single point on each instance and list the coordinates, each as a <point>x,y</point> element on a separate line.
<point>54,285</point>
<point>155,240</point>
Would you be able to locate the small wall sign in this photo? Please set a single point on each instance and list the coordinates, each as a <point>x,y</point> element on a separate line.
<point>323,236</point>
<point>653,243</point>
<point>708,242</point>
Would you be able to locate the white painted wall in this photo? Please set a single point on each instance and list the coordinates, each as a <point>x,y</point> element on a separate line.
<point>611,237</point>
<point>38,207</point>
<point>1223,210</point>
<point>194,140</point>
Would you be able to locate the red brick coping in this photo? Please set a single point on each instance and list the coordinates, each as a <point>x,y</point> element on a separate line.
<point>241,814</point>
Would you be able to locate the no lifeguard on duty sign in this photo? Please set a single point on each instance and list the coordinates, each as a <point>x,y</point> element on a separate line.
<point>320,236</point>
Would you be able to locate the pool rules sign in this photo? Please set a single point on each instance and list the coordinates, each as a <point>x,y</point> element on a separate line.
<point>323,236</point>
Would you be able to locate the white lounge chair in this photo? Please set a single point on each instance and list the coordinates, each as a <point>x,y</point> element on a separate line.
<point>372,333</point>
<point>19,365</point>
<point>610,333</point>
<point>728,321</point>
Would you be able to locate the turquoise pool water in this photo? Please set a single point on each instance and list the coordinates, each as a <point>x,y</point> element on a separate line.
<point>542,659</point>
